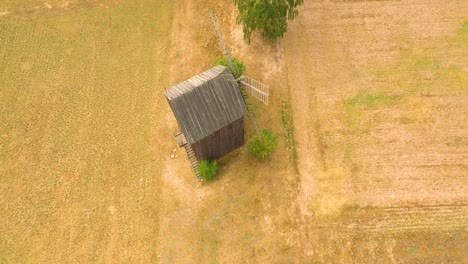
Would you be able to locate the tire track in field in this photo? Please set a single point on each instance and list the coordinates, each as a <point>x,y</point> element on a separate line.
<point>386,220</point>
<point>402,219</point>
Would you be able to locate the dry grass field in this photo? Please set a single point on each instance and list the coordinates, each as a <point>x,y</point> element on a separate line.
<point>80,118</point>
<point>368,102</point>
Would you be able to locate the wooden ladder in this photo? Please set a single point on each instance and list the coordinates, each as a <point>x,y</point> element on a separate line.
<point>193,160</point>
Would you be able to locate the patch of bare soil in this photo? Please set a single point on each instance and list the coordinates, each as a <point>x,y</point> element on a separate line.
<point>182,195</point>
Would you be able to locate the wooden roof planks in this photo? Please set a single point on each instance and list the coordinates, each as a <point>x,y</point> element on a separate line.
<point>206,103</point>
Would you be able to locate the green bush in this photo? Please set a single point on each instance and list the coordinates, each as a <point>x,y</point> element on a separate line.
<point>264,146</point>
<point>239,67</point>
<point>208,169</point>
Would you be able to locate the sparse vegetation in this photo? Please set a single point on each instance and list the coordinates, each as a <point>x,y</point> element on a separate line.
<point>239,67</point>
<point>263,146</point>
<point>370,99</point>
<point>208,169</point>
<point>463,32</point>
<point>288,129</point>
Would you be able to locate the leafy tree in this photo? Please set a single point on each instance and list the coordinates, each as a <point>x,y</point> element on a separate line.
<point>208,169</point>
<point>239,67</point>
<point>263,146</point>
<point>270,16</point>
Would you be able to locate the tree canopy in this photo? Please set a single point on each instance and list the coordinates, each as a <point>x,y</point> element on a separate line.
<point>269,16</point>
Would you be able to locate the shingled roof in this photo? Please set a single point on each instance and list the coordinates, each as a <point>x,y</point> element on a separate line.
<point>206,103</point>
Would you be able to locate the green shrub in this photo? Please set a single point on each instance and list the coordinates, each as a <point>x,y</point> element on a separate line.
<point>239,67</point>
<point>264,146</point>
<point>208,169</point>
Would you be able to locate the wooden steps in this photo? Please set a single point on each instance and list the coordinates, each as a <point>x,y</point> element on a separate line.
<point>193,160</point>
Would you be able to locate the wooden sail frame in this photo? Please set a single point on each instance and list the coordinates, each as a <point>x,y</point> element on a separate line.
<point>255,88</point>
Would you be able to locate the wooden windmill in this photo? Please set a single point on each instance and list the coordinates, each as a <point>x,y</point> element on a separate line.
<point>210,109</point>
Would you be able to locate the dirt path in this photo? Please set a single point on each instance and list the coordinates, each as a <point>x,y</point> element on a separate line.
<point>182,195</point>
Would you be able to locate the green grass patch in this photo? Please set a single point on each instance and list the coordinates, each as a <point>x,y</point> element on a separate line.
<point>288,132</point>
<point>358,112</point>
<point>426,63</point>
<point>347,154</point>
<point>462,34</point>
<point>412,251</point>
<point>348,159</point>
<point>367,100</point>
<point>452,77</point>
<point>464,29</point>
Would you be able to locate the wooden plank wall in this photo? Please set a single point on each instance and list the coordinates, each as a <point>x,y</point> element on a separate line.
<point>221,142</point>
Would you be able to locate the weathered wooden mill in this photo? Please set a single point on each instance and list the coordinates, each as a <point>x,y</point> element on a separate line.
<point>210,110</point>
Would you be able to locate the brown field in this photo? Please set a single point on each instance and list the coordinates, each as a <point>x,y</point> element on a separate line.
<point>369,102</point>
